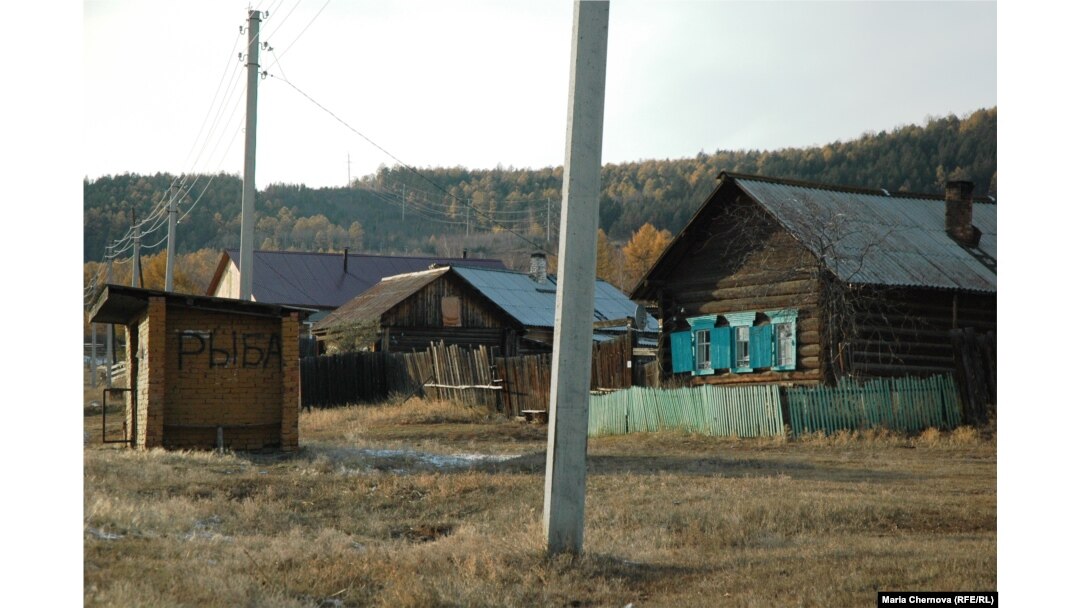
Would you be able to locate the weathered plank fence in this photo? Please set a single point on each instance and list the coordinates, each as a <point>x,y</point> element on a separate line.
<point>510,385</point>
<point>358,377</point>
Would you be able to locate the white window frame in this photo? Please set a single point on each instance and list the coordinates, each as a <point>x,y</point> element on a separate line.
<point>702,350</point>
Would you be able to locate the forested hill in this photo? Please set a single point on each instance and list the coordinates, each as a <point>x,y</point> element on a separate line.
<point>398,211</point>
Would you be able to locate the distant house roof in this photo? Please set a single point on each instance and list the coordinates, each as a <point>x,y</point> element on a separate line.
<point>870,237</point>
<point>528,302</point>
<point>319,280</point>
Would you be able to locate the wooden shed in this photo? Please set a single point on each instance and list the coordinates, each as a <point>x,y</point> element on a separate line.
<point>206,372</point>
<point>466,305</point>
<point>783,281</point>
<point>409,311</point>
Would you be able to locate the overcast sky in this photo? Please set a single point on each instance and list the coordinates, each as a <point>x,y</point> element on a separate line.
<point>480,83</point>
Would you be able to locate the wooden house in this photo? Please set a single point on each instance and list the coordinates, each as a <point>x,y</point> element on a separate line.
<point>465,305</point>
<point>783,281</point>
<point>317,281</point>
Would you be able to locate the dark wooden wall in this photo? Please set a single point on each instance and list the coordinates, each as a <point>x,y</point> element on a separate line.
<point>424,308</point>
<point>417,322</point>
<point>905,332</point>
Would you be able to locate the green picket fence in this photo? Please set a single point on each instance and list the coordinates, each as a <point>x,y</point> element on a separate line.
<point>902,404</point>
<point>750,411</point>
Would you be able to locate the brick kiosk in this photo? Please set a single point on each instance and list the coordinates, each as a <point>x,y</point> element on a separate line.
<point>205,370</point>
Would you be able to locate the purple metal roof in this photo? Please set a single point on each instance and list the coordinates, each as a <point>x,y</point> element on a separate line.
<point>319,280</point>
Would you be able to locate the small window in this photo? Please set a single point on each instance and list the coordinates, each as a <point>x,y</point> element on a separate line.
<point>785,345</point>
<point>451,311</point>
<point>784,338</point>
<point>742,347</point>
<point>703,352</point>
<point>701,329</point>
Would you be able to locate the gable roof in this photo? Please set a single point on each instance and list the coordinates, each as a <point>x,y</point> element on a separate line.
<point>869,237</point>
<point>383,296</point>
<point>319,280</point>
<point>527,302</point>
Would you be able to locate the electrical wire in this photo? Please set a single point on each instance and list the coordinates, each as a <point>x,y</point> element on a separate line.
<point>413,170</point>
<point>299,35</point>
<point>229,62</point>
<point>284,20</point>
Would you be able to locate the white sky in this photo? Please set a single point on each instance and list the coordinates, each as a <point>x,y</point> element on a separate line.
<point>482,83</point>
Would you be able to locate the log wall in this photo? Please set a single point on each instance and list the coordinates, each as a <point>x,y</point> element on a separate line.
<point>743,261</point>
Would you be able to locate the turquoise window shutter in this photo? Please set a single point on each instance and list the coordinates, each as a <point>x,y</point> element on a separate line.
<point>682,352</point>
<point>721,347</point>
<point>761,343</point>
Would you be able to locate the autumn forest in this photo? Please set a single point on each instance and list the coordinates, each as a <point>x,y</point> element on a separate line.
<point>508,212</point>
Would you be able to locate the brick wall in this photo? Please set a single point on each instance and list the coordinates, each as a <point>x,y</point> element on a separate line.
<point>199,370</point>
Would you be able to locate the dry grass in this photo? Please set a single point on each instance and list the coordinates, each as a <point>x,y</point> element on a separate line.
<point>672,519</point>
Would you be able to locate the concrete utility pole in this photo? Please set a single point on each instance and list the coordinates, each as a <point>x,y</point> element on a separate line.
<point>568,410</point>
<point>136,269</point>
<point>247,204</point>
<point>170,256</point>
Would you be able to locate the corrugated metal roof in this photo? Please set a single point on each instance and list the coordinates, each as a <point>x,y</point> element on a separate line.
<point>319,280</point>
<point>878,239</point>
<point>530,303</point>
<point>386,294</point>
<point>533,303</point>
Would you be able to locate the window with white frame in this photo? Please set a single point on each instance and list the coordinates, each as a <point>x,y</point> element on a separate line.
<point>747,342</point>
<point>785,347</point>
<point>742,347</point>
<point>702,350</point>
<point>784,342</point>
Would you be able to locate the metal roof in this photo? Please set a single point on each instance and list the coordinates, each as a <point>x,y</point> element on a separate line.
<point>871,237</point>
<point>319,280</point>
<point>530,303</point>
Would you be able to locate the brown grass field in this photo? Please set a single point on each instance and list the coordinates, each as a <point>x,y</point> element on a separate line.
<point>394,506</point>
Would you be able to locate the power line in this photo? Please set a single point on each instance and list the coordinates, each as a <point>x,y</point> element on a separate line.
<point>210,109</point>
<point>276,57</point>
<point>415,171</point>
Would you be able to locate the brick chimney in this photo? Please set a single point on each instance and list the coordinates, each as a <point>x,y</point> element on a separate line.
<point>958,213</point>
<point>538,267</point>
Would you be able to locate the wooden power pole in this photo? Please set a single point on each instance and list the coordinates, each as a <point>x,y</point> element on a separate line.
<point>568,410</point>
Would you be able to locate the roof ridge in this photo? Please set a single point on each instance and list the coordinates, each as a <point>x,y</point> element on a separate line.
<point>365,255</point>
<point>848,189</point>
